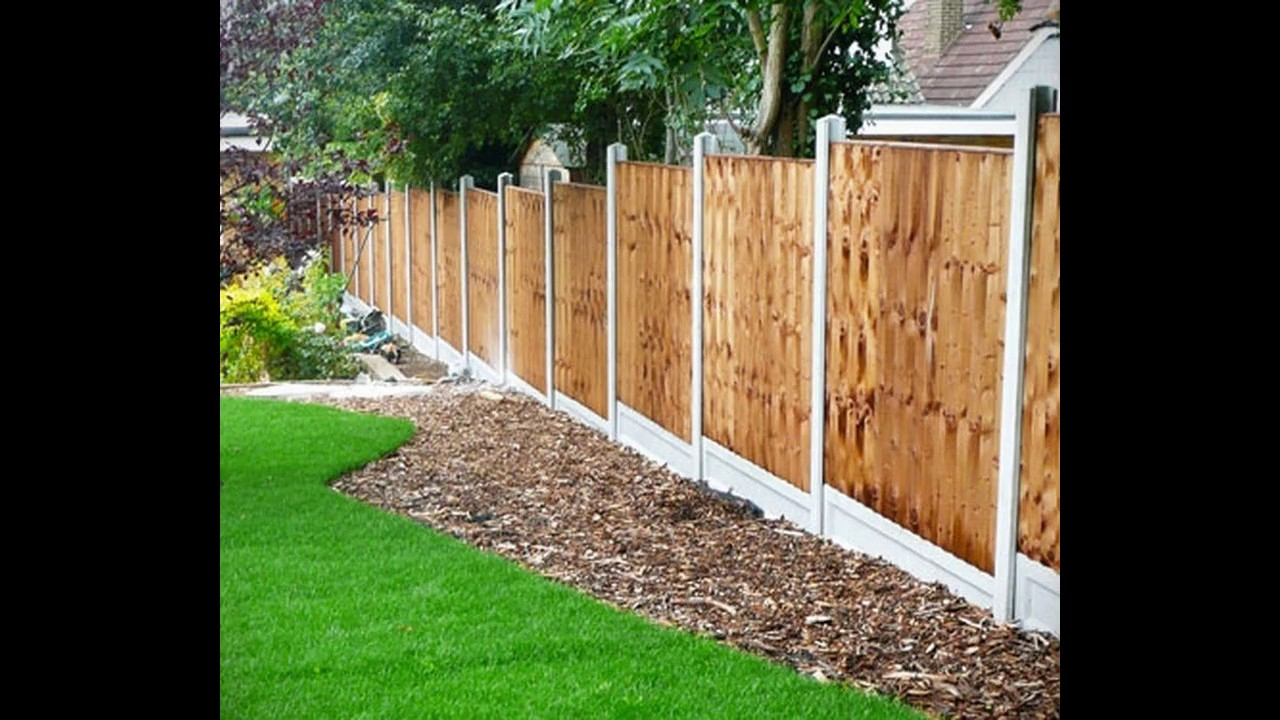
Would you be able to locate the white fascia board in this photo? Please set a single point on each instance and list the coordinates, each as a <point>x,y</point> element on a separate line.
<point>1014,65</point>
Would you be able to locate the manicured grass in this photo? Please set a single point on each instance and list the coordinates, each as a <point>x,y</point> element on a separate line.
<point>333,609</point>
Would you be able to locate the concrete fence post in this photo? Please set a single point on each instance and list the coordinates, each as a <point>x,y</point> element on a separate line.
<point>703,144</point>
<point>504,180</point>
<point>1039,100</point>
<point>408,263</point>
<point>549,178</point>
<point>465,182</point>
<point>372,242</point>
<point>829,129</point>
<point>385,224</point>
<point>342,240</point>
<point>617,152</point>
<point>435,281</point>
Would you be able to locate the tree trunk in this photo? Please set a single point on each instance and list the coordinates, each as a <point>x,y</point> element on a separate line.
<point>773,57</point>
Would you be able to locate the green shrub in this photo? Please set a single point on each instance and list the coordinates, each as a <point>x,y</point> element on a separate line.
<point>281,324</point>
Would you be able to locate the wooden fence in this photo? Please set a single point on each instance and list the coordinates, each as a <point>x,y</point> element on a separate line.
<point>758,284</point>
<point>655,252</point>
<point>916,259</point>
<point>527,287</point>
<point>449,266</point>
<point>482,274</point>
<point>918,238</point>
<point>1038,517</point>
<point>581,334</point>
<point>421,296</point>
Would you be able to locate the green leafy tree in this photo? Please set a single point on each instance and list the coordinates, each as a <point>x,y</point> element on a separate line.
<point>768,69</point>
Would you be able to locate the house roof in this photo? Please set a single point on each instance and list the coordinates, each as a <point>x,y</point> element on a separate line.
<point>975,58</point>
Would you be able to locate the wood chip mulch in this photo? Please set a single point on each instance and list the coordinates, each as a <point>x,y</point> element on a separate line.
<point>504,473</point>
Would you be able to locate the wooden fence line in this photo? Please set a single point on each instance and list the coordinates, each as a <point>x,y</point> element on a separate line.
<point>527,292</point>
<point>915,316</point>
<point>1038,517</point>
<point>420,223</point>
<point>449,267</point>
<point>655,249</point>
<point>756,311</point>
<point>482,274</point>
<point>917,242</point>
<point>581,363</point>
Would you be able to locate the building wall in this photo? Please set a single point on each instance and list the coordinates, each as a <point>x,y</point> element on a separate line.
<point>1042,68</point>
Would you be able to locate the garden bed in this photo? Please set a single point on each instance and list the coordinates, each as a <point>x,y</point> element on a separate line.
<point>504,473</point>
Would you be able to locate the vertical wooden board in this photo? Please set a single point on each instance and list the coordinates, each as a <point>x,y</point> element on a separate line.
<point>398,298</point>
<point>482,274</point>
<point>581,368</point>
<point>526,283</point>
<point>449,267</point>
<point>757,277</point>
<point>1039,511</point>
<point>420,257</point>
<point>655,248</point>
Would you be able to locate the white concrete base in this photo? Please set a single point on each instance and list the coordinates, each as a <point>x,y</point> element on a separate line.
<point>397,327</point>
<point>581,412</point>
<point>450,356</point>
<point>518,383</point>
<point>729,472</point>
<point>1038,596</point>
<point>654,441</point>
<point>851,524</point>
<point>424,342</point>
<point>482,370</point>
<point>353,305</point>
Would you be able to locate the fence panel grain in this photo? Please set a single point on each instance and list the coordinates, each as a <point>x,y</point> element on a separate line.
<point>1038,516</point>
<point>398,300</point>
<point>449,267</point>
<point>380,232</point>
<point>655,254</point>
<point>917,239</point>
<point>526,287</point>
<point>420,227</point>
<point>482,274</point>
<point>581,369</point>
<point>758,279</point>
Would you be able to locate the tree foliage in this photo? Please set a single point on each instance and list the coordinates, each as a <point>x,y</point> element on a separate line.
<point>768,69</point>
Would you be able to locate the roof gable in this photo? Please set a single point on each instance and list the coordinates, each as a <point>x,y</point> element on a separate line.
<point>976,57</point>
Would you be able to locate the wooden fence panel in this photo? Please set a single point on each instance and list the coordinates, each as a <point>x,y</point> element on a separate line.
<point>449,267</point>
<point>915,307</point>
<point>1038,516</point>
<point>398,299</point>
<point>655,256</point>
<point>420,227</point>
<point>526,287</point>
<point>482,274</point>
<point>758,277</point>
<point>581,360</point>
<point>382,299</point>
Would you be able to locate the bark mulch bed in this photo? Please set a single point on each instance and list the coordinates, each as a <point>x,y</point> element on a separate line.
<point>503,473</point>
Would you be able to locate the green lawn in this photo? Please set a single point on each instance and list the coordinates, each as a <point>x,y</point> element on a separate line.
<point>332,609</point>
